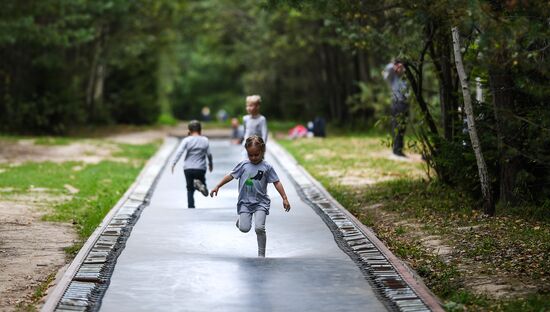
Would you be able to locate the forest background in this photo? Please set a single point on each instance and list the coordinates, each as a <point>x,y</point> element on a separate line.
<point>65,64</point>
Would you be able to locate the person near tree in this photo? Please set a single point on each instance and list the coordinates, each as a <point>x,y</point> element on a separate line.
<point>393,73</point>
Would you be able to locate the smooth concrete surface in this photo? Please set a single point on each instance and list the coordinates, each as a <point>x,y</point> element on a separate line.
<point>180,259</point>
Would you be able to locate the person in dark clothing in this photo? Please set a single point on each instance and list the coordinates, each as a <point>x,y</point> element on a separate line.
<point>400,107</point>
<point>197,151</point>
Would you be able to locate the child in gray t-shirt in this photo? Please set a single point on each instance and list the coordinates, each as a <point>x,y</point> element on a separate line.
<point>194,165</point>
<point>254,123</point>
<point>254,174</point>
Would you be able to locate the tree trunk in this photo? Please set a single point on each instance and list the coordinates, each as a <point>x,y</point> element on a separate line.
<point>96,80</point>
<point>330,86</point>
<point>510,162</point>
<point>90,90</point>
<point>440,52</point>
<point>364,66</point>
<point>488,202</point>
<point>446,92</point>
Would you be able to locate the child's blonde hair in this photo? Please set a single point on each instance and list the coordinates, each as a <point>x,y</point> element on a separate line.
<point>255,141</point>
<point>254,99</point>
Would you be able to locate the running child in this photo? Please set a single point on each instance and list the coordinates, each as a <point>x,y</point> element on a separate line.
<point>254,174</point>
<point>194,164</point>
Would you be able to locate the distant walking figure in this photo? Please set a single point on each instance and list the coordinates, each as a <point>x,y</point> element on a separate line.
<point>400,108</point>
<point>194,165</point>
<point>254,174</point>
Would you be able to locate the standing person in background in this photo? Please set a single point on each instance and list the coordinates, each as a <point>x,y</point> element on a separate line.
<point>393,73</point>
<point>194,165</point>
<point>254,123</point>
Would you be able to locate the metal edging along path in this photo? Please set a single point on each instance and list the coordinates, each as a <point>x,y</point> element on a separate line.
<point>82,286</point>
<point>399,287</point>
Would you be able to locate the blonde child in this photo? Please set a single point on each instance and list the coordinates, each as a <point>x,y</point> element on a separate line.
<point>254,123</point>
<point>254,174</point>
<point>194,165</point>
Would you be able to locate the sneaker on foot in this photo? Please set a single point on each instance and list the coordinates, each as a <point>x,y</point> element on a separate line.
<point>199,186</point>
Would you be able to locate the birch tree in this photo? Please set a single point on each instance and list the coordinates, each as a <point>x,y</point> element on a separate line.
<point>488,203</point>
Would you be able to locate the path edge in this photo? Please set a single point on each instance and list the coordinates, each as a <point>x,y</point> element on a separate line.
<point>153,167</point>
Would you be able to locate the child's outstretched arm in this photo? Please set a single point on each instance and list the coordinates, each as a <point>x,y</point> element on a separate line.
<point>225,179</point>
<point>279,187</point>
<point>178,155</point>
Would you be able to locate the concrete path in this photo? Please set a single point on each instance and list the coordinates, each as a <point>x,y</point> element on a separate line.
<point>180,259</point>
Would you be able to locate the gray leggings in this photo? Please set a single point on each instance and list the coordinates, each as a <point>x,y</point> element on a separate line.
<point>245,223</point>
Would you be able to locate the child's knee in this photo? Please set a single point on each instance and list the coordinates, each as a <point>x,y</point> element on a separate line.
<point>244,228</point>
<point>260,229</point>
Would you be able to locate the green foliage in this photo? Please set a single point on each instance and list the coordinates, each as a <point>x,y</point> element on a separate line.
<point>404,212</point>
<point>71,63</point>
<point>67,63</point>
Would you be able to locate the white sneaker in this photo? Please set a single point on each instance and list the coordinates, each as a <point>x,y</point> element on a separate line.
<point>199,186</point>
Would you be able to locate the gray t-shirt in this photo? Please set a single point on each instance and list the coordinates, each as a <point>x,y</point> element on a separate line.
<point>255,126</point>
<point>198,150</point>
<point>397,84</point>
<point>253,180</point>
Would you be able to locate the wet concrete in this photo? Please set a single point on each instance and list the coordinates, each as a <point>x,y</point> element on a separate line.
<point>180,259</point>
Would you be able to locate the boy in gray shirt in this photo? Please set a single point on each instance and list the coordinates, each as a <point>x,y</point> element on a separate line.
<point>254,174</point>
<point>254,123</point>
<point>194,165</point>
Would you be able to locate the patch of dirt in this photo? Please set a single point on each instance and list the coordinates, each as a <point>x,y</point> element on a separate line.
<point>89,151</point>
<point>437,246</point>
<point>413,158</point>
<point>499,287</point>
<point>387,154</point>
<point>30,249</point>
<point>474,275</point>
<point>139,138</point>
<point>361,181</point>
<point>22,151</point>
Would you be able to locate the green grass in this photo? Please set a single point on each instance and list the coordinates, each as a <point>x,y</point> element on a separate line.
<point>510,245</point>
<point>38,140</point>
<point>100,185</point>
<point>361,157</point>
<point>137,152</point>
<point>100,188</point>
